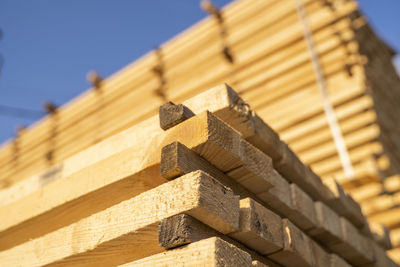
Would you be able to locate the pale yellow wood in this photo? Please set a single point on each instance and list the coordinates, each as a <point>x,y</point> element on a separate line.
<point>395,237</point>
<point>392,183</point>
<point>136,165</point>
<point>213,252</point>
<point>395,255</point>
<point>112,236</point>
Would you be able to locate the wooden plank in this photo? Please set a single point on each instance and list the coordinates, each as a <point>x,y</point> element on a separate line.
<point>328,229</point>
<point>291,167</point>
<point>177,160</point>
<point>367,191</point>
<point>321,257</point>
<point>354,248</point>
<point>395,237</point>
<point>141,167</point>
<point>337,261</point>
<point>394,254</point>
<point>183,229</point>
<point>381,235</point>
<point>303,209</point>
<point>323,135</point>
<point>221,100</point>
<point>390,217</point>
<point>213,252</point>
<point>171,114</point>
<point>128,223</point>
<point>342,204</point>
<point>135,76</point>
<point>297,247</point>
<point>259,228</point>
<point>392,183</point>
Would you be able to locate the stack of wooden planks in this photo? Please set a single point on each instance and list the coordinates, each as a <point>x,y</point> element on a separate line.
<point>381,203</point>
<point>262,53</point>
<point>204,183</point>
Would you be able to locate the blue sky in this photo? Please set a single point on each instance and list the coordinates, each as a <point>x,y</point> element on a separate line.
<point>49,46</point>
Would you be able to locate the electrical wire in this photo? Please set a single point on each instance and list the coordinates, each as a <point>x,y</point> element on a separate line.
<point>19,112</point>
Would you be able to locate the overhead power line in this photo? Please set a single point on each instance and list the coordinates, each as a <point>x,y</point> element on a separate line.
<point>19,112</point>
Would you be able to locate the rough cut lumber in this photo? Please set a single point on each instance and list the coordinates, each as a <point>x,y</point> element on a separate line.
<point>297,249</point>
<point>354,248</point>
<point>303,209</point>
<point>342,204</point>
<point>171,114</point>
<point>183,229</point>
<point>97,239</point>
<point>394,254</point>
<point>321,257</point>
<point>259,228</point>
<point>177,160</point>
<point>392,184</point>
<point>381,235</point>
<point>207,135</point>
<point>390,217</point>
<point>213,252</point>
<point>221,100</point>
<point>367,191</point>
<point>395,237</point>
<point>336,261</point>
<point>328,229</point>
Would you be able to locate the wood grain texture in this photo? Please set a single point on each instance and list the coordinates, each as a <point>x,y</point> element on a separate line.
<point>137,166</point>
<point>177,160</point>
<point>171,114</point>
<point>328,229</point>
<point>259,228</point>
<point>303,214</point>
<point>297,249</point>
<point>213,252</point>
<point>342,204</point>
<point>113,235</point>
<point>354,248</point>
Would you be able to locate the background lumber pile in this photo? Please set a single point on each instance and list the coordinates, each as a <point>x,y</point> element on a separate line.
<point>216,187</point>
<point>271,69</point>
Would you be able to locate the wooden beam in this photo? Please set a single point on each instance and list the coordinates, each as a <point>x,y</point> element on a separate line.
<point>204,133</point>
<point>177,160</point>
<point>259,228</point>
<point>354,248</point>
<point>328,229</point>
<point>337,261</point>
<point>213,252</point>
<point>381,235</point>
<point>171,114</point>
<point>183,229</point>
<point>303,209</point>
<point>200,196</point>
<point>342,204</point>
<point>321,257</point>
<point>297,249</point>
